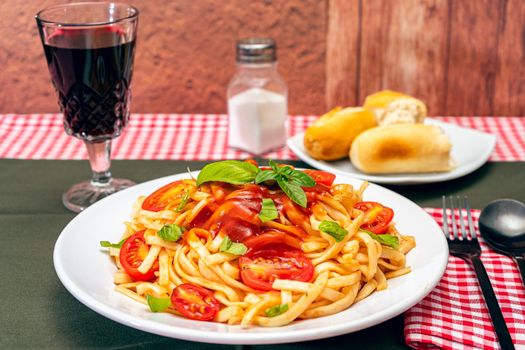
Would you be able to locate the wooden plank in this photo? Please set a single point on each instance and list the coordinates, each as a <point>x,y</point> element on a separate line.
<point>404,48</point>
<point>376,21</point>
<point>509,90</point>
<point>473,67</point>
<point>342,53</point>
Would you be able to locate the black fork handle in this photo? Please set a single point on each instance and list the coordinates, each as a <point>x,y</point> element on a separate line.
<point>492,304</point>
<point>520,260</point>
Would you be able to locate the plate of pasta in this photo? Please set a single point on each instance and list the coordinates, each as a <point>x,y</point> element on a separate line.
<point>242,254</point>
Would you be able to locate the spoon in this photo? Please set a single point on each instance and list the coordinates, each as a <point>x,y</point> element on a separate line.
<point>502,226</point>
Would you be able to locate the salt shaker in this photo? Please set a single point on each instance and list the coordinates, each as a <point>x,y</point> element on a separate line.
<point>257,98</point>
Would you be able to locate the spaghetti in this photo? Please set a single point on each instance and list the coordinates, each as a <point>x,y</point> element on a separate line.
<point>248,254</point>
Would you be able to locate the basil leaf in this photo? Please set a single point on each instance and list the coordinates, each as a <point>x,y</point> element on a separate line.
<point>286,171</point>
<point>274,166</point>
<point>158,304</point>
<point>171,232</point>
<point>108,244</point>
<point>183,202</point>
<point>229,246</point>
<point>302,179</point>
<point>333,229</point>
<point>225,244</point>
<point>293,191</point>
<point>385,239</point>
<point>265,175</point>
<point>276,310</point>
<point>268,210</point>
<point>231,171</point>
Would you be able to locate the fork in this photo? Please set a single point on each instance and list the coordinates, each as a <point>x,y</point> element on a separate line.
<point>468,249</point>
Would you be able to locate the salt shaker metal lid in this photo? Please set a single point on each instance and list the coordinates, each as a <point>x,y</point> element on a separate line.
<point>256,50</point>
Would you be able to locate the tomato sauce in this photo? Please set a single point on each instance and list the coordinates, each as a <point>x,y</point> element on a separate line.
<point>235,211</point>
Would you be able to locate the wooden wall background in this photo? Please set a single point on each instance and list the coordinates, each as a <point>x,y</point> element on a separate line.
<point>463,57</point>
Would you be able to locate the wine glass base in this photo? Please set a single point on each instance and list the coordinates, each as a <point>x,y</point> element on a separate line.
<point>82,195</point>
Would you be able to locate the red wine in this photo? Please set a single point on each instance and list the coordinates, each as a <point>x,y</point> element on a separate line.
<point>91,71</point>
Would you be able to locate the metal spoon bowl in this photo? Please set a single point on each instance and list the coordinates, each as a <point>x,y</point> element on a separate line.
<point>502,226</point>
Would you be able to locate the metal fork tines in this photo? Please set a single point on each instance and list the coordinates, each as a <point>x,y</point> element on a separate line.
<point>466,247</point>
<point>456,244</point>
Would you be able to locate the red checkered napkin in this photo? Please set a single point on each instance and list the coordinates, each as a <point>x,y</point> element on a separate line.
<point>454,315</point>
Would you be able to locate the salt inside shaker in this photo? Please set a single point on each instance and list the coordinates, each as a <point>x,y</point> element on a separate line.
<point>257,98</point>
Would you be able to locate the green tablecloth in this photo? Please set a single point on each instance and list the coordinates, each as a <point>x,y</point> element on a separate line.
<point>36,310</point>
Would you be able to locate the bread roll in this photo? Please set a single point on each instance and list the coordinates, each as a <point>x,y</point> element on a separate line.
<point>392,107</point>
<point>402,148</point>
<point>330,137</point>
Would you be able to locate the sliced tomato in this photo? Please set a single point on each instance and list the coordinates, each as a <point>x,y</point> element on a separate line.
<point>237,216</point>
<point>377,217</point>
<point>219,191</point>
<point>240,231</point>
<point>321,177</point>
<point>259,269</point>
<point>195,302</point>
<point>132,254</point>
<point>312,192</point>
<point>272,237</point>
<point>296,214</point>
<point>202,217</point>
<point>163,197</point>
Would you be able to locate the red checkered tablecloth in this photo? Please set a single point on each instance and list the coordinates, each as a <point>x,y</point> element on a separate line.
<point>197,137</point>
<point>454,315</point>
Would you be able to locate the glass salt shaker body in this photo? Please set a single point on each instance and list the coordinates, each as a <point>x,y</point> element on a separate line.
<point>257,98</point>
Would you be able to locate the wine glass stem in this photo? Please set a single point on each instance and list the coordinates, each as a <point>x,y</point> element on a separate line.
<point>100,161</point>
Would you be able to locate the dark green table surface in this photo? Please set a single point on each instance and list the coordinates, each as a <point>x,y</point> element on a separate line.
<point>37,312</point>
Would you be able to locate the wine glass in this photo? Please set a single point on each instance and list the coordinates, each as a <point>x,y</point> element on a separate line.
<point>89,48</point>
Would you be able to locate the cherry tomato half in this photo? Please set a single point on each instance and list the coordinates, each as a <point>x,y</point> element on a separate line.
<point>272,237</point>
<point>377,217</point>
<point>132,253</point>
<point>260,268</point>
<point>321,177</point>
<point>194,302</point>
<point>163,197</point>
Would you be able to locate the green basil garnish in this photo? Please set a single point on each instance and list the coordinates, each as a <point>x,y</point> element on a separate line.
<point>333,229</point>
<point>236,172</point>
<point>108,244</point>
<point>229,246</point>
<point>385,239</point>
<point>295,176</point>
<point>302,179</point>
<point>183,202</point>
<point>265,175</point>
<point>276,310</point>
<point>158,304</point>
<point>295,192</point>
<point>291,182</point>
<point>273,165</point>
<point>231,171</point>
<point>171,233</point>
<point>268,210</point>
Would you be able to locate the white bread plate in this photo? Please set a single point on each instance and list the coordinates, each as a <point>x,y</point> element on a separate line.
<point>470,150</point>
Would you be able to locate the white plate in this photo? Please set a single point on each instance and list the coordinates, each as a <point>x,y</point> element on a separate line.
<point>86,271</point>
<point>470,150</point>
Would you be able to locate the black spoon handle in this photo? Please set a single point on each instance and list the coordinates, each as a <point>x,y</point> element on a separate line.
<point>520,260</point>
<point>500,327</point>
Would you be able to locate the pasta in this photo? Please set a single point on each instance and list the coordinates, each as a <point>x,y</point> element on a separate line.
<point>222,252</point>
